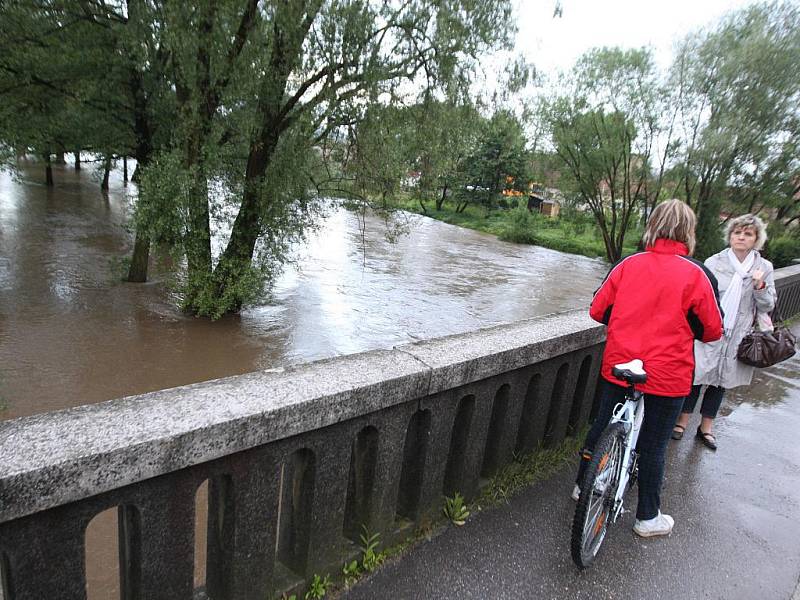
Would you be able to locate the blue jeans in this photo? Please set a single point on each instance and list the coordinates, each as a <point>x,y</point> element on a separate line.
<point>712,400</point>
<point>660,413</point>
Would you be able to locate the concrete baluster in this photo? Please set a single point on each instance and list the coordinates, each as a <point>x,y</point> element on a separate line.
<point>242,519</point>
<point>45,554</point>
<point>326,540</point>
<point>157,541</point>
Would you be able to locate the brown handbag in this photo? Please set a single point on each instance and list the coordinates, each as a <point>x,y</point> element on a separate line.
<point>766,348</point>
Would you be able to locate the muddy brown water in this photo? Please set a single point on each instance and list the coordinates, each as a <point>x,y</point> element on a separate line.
<point>72,333</point>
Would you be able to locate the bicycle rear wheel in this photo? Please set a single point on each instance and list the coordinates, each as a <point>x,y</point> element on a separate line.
<point>598,489</point>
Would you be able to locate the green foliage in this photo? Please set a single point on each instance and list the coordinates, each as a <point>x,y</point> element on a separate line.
<point>351,572</point>
<point>521,227</point>
<point>370,557</point>
<point>446,133</point>
<point>783,250</point>
<point>498,162</point>
<point>318,587</point>
<point>249,112</point>
<point>565,234</point>
<point>606,129</point>
<point>455,510</point>
<point>527,469</point>
<point>736,88</point>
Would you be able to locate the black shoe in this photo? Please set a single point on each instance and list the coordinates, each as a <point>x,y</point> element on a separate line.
<point>677,432</point>
<point>708,439</point>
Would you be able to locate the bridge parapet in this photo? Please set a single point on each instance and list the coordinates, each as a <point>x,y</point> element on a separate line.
<point>296,461</point>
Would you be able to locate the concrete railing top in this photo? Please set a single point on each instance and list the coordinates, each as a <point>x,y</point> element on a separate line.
<point>55,458</point>
<point>792,272</point>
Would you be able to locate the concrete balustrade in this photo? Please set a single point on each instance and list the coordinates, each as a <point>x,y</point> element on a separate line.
<point>296,461</point>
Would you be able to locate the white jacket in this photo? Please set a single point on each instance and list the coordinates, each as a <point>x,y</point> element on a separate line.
<point>716,362</point>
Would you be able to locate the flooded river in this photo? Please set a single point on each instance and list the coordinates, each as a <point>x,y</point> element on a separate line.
<point>71,333</point>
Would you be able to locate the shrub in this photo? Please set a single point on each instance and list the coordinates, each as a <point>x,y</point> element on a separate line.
<point>520,227</point>
<point>782,251</point>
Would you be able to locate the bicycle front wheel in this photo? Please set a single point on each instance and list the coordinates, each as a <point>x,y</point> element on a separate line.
<point>597,495</point>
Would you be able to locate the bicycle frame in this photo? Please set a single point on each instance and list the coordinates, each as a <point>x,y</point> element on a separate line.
<point>631,414</point>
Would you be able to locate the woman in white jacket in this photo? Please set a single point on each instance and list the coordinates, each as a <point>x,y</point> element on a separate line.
<point>746,286</point>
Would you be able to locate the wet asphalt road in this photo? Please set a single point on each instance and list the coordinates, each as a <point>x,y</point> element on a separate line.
<point>736,536</point>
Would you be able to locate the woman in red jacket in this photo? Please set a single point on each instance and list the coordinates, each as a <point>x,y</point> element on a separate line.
<point>655,303</point>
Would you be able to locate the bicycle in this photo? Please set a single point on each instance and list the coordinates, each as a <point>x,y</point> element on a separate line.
<point>611,471</point>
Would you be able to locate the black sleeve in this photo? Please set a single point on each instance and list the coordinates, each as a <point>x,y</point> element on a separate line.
<point>694,321</point>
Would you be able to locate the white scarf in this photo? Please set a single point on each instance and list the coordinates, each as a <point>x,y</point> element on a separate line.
<point>733,295</point>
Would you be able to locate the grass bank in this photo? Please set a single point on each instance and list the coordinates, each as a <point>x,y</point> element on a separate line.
<point>576,234</point>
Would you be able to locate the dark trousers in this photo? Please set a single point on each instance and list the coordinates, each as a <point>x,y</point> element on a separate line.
<point>660,413</point>
<point>712,400</point>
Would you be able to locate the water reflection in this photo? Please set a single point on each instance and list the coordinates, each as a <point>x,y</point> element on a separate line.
<point>70,334</point>
<point>770,387</point>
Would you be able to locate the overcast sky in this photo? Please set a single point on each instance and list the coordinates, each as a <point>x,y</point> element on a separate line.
<point>554,43</point>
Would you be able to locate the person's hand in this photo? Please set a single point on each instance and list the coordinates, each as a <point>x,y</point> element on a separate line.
<point>758,279</point>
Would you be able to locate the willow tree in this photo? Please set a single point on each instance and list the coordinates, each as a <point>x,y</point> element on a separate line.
<point>67,68</point>
<point>265,84</point>
<point>737,88</point>
<point>611,132</point>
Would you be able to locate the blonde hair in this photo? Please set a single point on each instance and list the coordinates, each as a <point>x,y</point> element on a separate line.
<point>671,220</point>
<point>744,222</point>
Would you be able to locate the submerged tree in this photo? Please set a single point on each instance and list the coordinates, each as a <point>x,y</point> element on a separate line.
<point>229,105</point>
<point>312,67</point>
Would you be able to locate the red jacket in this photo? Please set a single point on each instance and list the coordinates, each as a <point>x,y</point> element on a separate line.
<point>656,303</point>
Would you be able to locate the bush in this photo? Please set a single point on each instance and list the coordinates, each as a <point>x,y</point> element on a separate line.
<point>520,227</point>
<point>782,251</point>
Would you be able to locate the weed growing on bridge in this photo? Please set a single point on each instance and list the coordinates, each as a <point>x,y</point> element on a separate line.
<point>526,469</point>
<point>319,587</point>
<point>350,571</point>
<point>455,510</point>
<point>514,477</point>
<point>370,557</point>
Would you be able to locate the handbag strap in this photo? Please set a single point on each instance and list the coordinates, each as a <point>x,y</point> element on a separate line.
<point>774,315</point>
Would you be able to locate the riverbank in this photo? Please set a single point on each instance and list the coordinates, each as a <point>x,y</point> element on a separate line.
<point>576,234</point>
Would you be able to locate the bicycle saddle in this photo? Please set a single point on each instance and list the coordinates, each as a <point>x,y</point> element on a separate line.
<point>632,372</point>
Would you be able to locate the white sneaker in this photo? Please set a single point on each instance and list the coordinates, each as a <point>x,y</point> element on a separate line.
<point>576,493</point>
<point>661,524</point>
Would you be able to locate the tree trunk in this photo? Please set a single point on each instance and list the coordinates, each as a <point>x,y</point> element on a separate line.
<point>198,242</point>
<point>141,256</point>
<point>77,156</point>
<point>106,173</point>
<point>144,149</point>
<point>48,170</point>
<point>440,201</point>
<point>60,157</point>
<point>125,170</point>
<point>237,258</point>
